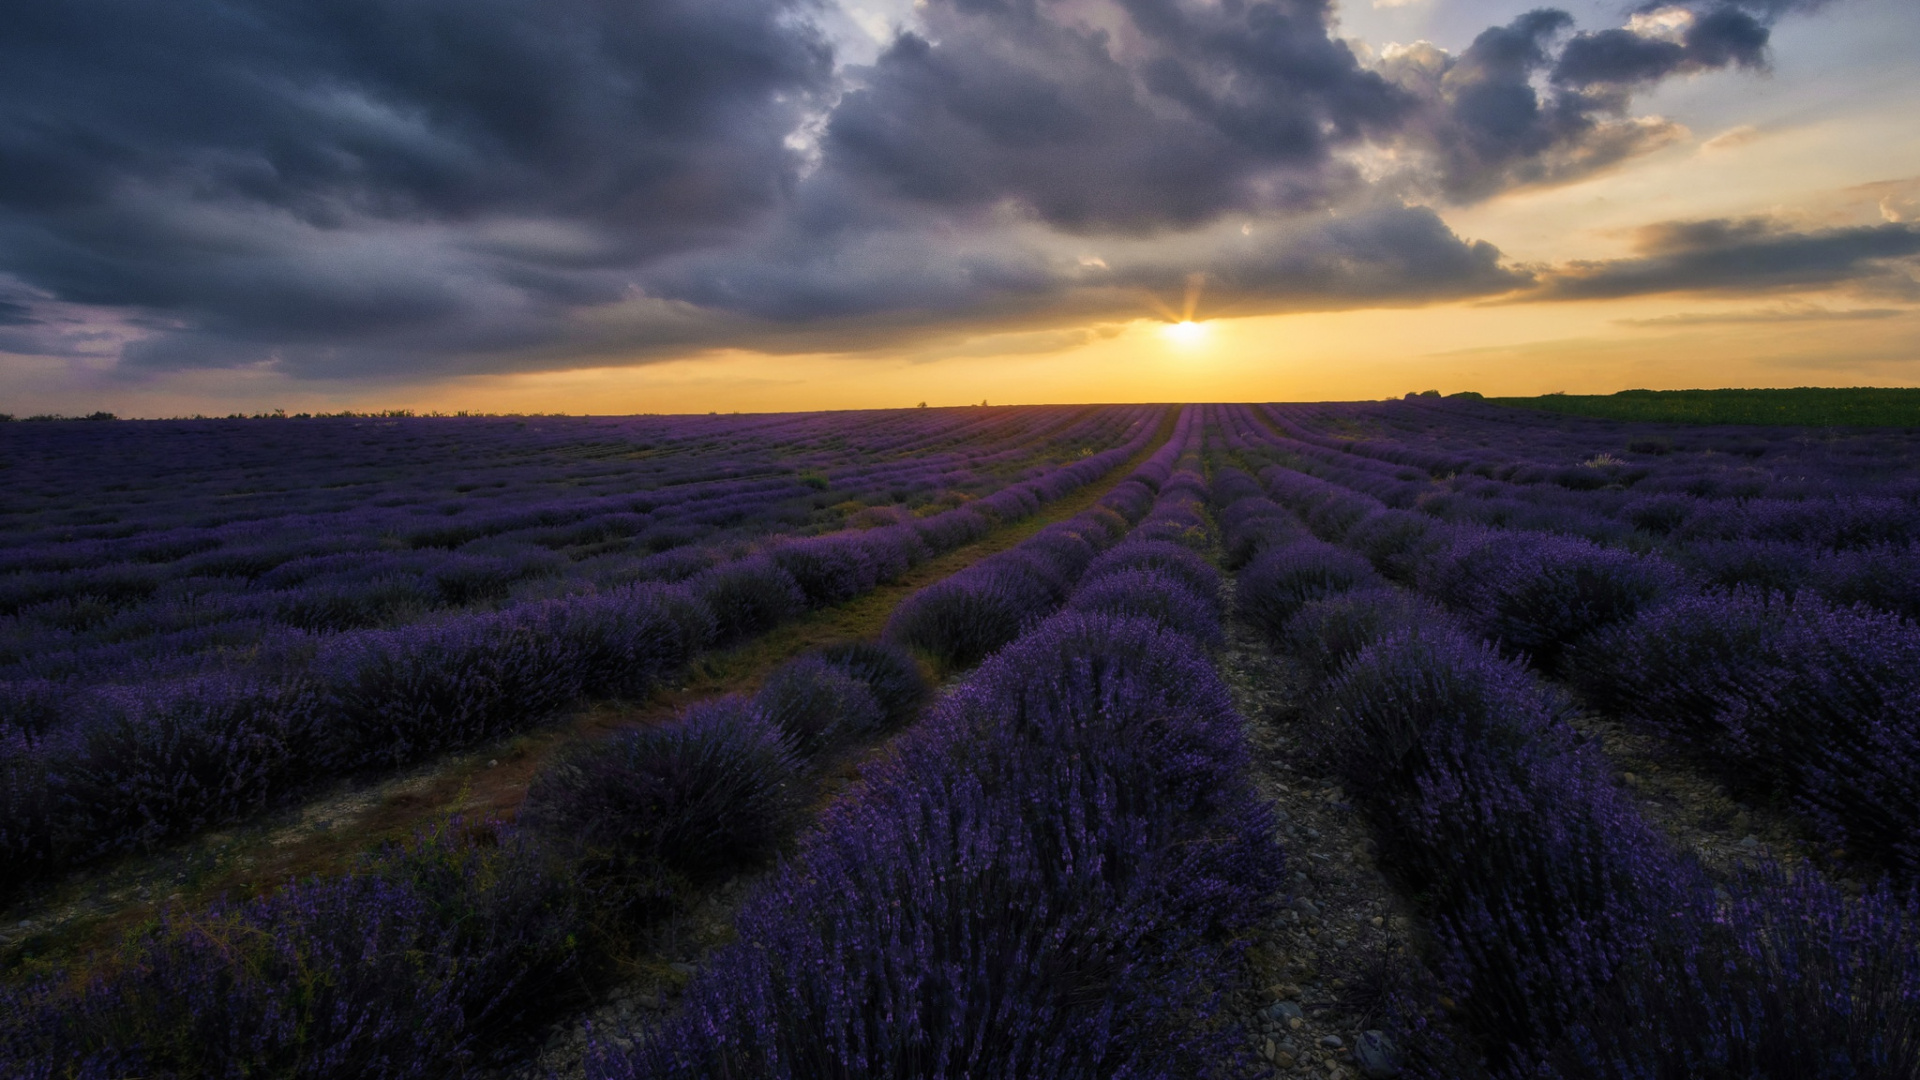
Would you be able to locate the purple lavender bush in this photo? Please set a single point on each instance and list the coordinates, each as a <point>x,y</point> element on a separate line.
<point>623,642</point>
<point>1535,593</point>
<point>816,703</point>
<point>1274,586</point>
<point>888,671</point>
<point>1886,576</point>
<point>1175,560</point>
<point>1576,941</point>
<point>960,620</point>
<point>715,789</point>
<point>1801,700</point>
<point>1251,524</point>
<point>152,766</point>
<point>411,967</point>
<point>1328,632</point>
<point>392,697</point>
<point>828,569</point>
<point>1037,883</point>
<point>748,596</point>
<point>1152,594</point>
<point>1399,543</point>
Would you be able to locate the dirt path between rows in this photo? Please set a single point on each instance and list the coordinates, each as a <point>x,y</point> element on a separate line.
<point>1319,975</point>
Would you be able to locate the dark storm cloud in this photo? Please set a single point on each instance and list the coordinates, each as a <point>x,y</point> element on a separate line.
<point>1719,38</point>
<point>1726,33</point>
<point>1488,124</point>
<point>657,114</point>
<point>1742,256</point>
<point>1189,116</point>
<point>369,188</point>
<point>273,174</point>
<point>1384,253</point>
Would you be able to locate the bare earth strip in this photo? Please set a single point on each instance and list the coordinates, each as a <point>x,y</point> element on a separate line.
<point>1318,975</point>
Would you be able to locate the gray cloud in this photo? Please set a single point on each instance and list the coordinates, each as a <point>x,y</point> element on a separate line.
<point>374,188</point>
<point>1379,253</point>
<point>1487,124</point>
<point>277,177</point>
<point>1718,38</point>
<point>1765,316</point>
<point>1184,113</point>
<point>1743,255</point>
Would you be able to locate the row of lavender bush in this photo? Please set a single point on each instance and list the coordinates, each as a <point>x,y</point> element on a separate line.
<point>960,621</point>
<point>1576,941</point>
<point>134,768</point>
<point>187,583</point>
<point>500,927</point>
<point>1045,878</point>
<point>436,957</point>
<point>1828,514</point>
<point>1796,699</point>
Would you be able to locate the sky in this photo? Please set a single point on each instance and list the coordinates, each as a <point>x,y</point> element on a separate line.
<point>619,206</point>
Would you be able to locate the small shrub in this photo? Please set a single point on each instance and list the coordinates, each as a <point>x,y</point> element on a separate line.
<point>747,597</point>
<point>815,703</point>
<point>962,619</point>
<point>1174,560</point>
<point>154,765</point>
<point>828,569</point>
<point>623,642</point>
<point>890,672</point>
<point>1148,593</point>
<point>712,791</point>
<point>1251,525</point>
<point>414,964</point>
<point>394,696</point>
<point>1536,593</point>
<point>1275,585</point>
<point>1397,542</point>
<point>1326,633</point>
<point>1676,665</point>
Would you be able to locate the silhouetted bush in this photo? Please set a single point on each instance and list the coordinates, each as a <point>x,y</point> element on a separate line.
<point>889,671</point>
<point>1326,633</point>
<point>713,790</point>
<point>815,703</point>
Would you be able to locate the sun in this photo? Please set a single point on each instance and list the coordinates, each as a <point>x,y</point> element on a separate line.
<point>1186,332</point>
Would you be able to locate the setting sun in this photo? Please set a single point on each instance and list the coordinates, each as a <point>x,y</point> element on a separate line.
<point>1186,332</point>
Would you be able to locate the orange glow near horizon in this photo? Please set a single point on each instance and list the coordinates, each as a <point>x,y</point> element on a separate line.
<point>1659,343</point>
<point>1519,350</point>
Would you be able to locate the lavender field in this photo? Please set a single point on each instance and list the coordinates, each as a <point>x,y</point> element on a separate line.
<point>1421,738</point>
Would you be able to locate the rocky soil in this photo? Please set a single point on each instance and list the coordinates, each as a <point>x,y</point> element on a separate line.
<point>1325,977</point>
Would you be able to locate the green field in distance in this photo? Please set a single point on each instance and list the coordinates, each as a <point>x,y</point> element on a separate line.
<point>1857,406</point>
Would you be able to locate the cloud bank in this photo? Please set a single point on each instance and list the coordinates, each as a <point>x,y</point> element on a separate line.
<point>372,187</point>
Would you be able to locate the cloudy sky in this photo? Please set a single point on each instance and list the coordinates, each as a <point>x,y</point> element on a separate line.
<point>673,205</point>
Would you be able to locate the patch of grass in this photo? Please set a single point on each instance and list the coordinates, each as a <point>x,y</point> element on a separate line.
<point>1808,406</point>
